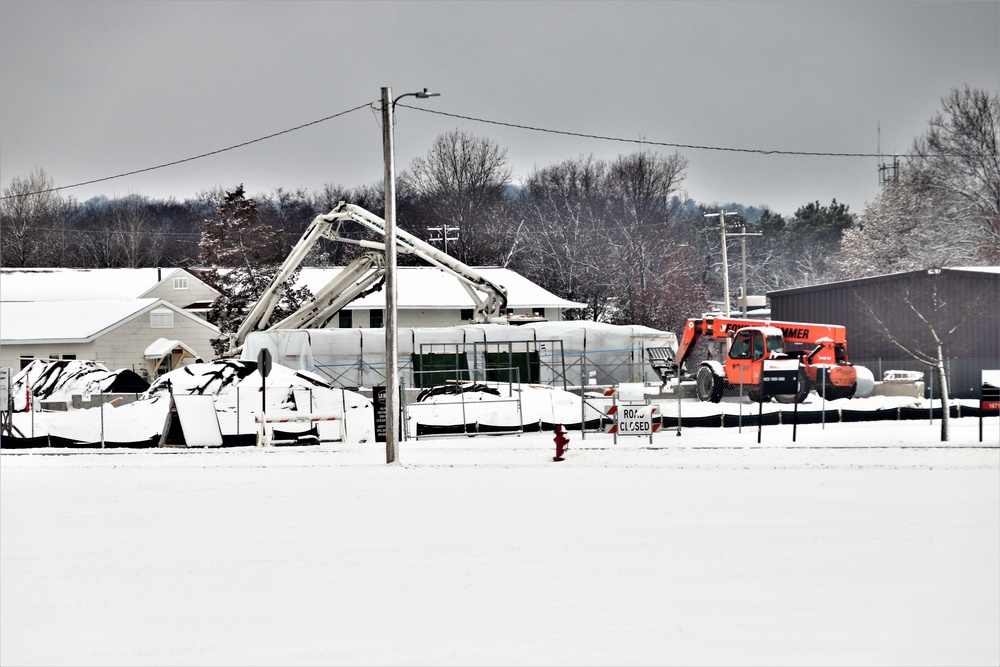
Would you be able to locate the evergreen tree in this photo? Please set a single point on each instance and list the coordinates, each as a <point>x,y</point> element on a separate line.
<point>244,256</point>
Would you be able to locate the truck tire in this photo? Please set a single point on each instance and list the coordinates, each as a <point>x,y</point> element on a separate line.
<point>832,392</point>
<point>756,394</point>
<point>708,385</point>
<point>805,386</point>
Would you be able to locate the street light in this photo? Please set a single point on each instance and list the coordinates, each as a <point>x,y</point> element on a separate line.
<point>391,348</point>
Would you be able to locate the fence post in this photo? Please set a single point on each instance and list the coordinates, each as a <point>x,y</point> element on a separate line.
<point>343,410</point>
<point>401,418</point>
<point>465,419</point>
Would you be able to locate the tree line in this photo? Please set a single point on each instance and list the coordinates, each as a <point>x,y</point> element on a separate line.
<point>619,235</point>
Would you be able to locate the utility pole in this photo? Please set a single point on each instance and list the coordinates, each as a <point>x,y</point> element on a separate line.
<point>743,250</point>
<point>725,260</point>
<point>443,232</point>
<point>391,347</point>
<point>392,405</point>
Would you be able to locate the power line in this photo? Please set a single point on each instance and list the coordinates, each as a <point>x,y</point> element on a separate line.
<point>645,142</point>
<point>518,126</point>
<point>190,159</point>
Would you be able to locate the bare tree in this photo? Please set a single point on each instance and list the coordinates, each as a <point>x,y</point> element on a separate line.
<point>126,236</point>
<point>903,230</point>
<point>289,211</point>
<point>563,255</point>
<point>462,181</point>
<point>606,234</point>
<point>924,328</point>
<point>29,212</point>
<point>957,162</point>
<point>945,207</point>
<point>642,186</point>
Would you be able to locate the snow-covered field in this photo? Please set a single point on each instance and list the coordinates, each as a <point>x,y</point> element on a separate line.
<point>860,543</point>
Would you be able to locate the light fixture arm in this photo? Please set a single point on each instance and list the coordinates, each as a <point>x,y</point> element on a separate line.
<point>422,95</point>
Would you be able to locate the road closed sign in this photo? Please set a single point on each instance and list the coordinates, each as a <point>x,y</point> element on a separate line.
<point>635,419</point>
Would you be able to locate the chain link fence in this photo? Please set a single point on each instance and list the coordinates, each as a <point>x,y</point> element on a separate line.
<point>964,375</point>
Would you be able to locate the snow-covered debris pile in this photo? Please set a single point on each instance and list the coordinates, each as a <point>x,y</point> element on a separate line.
<point>237,388</point>
<point>60,380</point>
<point>238,398</point>
<point>497,405</point>
<point>213,379</point>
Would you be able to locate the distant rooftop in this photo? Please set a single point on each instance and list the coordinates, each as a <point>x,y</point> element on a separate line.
<point>432,288</point>
<point>59,284</point>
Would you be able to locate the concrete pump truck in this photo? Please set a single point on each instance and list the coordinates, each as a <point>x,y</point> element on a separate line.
<point>820,348</point>
<point>362,276</point>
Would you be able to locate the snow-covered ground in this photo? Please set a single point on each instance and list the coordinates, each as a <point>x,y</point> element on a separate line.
<point>861,543</point>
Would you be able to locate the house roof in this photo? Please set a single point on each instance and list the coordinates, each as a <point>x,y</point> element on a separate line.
<point>417,287</point>
<point>58,284</point>
<point>74,321</point>
<point>428,287</point>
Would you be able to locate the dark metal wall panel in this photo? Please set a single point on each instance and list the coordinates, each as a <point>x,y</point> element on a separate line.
<point>971,299</point>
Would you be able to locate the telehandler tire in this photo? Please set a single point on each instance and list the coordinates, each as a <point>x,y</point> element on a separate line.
<point>833,392</point>
<point>805,386</point>
<point>708,385</point>
<point>756,394</point>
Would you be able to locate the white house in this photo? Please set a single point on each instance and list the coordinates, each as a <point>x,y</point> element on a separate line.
<point>178,286</point>
<point>427,296</point>
<point>148,336</point>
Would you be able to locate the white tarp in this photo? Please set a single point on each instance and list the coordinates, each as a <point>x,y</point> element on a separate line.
<point>356,357</point>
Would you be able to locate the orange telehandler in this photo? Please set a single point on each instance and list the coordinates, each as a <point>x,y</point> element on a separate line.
<point>820,348</point>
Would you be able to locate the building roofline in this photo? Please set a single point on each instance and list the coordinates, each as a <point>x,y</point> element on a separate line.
<point>988,270</point>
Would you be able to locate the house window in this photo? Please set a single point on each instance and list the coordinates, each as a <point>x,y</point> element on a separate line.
<point>25,361</point>
<point>465,315</point>
<point>181,283</point>
<point>161,318</point>
<point>540,312</point>
<point>375,316</point>
<point>69,357</point>
<point>345,319</point>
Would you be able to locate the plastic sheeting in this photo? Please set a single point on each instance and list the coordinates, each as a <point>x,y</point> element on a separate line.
<point>568,351</point>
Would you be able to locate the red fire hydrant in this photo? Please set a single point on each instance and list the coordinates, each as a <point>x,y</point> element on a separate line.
<point>561,442</point>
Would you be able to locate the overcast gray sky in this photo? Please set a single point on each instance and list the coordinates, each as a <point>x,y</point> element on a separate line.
<point>93,89</point>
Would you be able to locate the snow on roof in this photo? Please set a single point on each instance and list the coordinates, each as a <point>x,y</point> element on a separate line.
<point>432,288</point>
<point>72,321</point>
<point>58,284</point>
<point>161,347</point>
<point>883,276</point>
<point>976,269</point>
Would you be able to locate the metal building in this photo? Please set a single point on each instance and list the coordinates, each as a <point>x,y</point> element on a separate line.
<point>884,314</point>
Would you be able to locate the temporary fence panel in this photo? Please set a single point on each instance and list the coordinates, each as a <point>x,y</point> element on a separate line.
<point>199,420</point>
